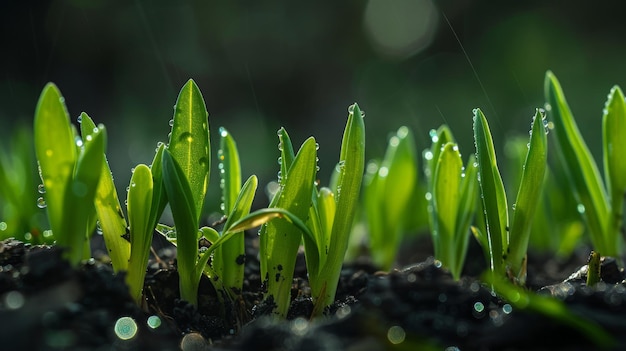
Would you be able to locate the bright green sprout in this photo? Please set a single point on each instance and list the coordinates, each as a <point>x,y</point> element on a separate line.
<point>556,213</point>
<point>452,199</point>
<point>389,187</point>
<point>332,214</point>
<point>70,168</point>
<point>601,208</point>
<point>20,218</point>
<point>505,238</point>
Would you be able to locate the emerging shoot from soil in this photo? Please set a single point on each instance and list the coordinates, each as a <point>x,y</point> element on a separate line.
<point>505,239</point>
<point>602,208</point>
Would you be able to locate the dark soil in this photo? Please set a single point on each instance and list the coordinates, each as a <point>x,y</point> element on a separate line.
<point>47,305</point>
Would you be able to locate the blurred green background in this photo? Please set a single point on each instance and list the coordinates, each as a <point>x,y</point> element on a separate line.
<point>266,64</point>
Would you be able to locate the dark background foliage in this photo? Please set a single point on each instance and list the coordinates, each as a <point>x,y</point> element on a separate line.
<point>266,64</point>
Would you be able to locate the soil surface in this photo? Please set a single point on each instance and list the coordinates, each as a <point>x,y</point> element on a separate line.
<point>47,305</point>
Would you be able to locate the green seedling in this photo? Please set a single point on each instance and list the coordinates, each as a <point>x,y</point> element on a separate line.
<point>556,213</point>
<point>332,214</point>
<point>452,199</point>
<point>505,240</point>
<point>321,218</point>
<point>388,188</point>
<point>185,165</point>
<point>279,239</point>
<point>70,168</point>
<point>601,208</point>
<point>185,175</point>
<point>20,217</point>
<point>145,203</point>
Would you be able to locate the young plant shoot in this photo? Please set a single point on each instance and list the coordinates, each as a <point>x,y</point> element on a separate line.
<point>70,168</point>
<point>452,198</point>
<point>20,218</point>
<point>279,239</point>
<point>332,215</point>
<point>185,165</point>
<point>506,238</point>
<point>388,188</point>
<point>601,208</point>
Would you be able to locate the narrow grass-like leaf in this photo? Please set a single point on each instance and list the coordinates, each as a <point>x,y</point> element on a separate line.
<point>446,195</point>
<point>281,244</point>
<point>159,196</point>
<point>189,141</point>
<point>614,144</point>
<point>56,153</point>
<point>528,196</point>
<point>467,211</point>
<point>492,190</point>
<point>351,167</point>
<point>395,183</point>
<point>265,215</point>
<point>184,212</point>
<point>581,169</point>
<point>233,252</point>
<point>230,170</point>
<point>80,195</point>
<point>139,198</point>
<point>110,215</point>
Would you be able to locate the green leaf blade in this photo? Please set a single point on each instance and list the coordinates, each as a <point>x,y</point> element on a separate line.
<point>182,203</point>
<point>55,149</point>
<point>492,190</point>
<point>230,170</point>
<point>189,141</point>
<point>580,167</point>
<point>446,200</point>
<point>139,200</point>
<point>528,196</point>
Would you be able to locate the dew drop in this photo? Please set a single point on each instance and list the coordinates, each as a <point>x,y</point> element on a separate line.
<point>428,196</point>
<point>41,189</point>
<point>317,146</point>
<point>580,208</point>
<point>223,132</point>
<point>479,307</point>
<point>186,136</point>
<point>62,99</point>
<point>171,121</point>
<point>394,141</point>
<point>79,119</point>
<point>433,135</point>
<point>41,202</point>
<point>280,160</point>
<point>513,207</point>
<point>153,322</point>
<point>507,308</point>
<point>3,226</point>
<point>428,155</point>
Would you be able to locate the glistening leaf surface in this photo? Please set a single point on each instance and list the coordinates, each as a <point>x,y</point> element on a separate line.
<point>580,167</point>
<point>529,194</point>
<point>56,151</point>
<point>189,142</point>
<point>110,215</point>
<point>492,190</point>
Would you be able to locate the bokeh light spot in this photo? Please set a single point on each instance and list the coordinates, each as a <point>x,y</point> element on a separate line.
<point>401,28</point>
<point>125,328</point>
